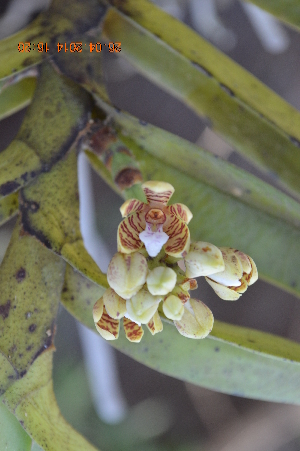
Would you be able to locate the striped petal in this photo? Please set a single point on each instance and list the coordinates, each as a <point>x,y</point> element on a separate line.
<point>131,206</point>
<point>158,192</point>
<point>188,284</point>
<point>155,324</point>
<point>108,327</point>
<point>114,304</point>
<point>223,292</point>
<point>198,326</point>
<point>250,274</point>
<point>181,211</point>
<point>128,233</point>
<point>253,276</point>
<point>179,238</point>
<point>133,331</point>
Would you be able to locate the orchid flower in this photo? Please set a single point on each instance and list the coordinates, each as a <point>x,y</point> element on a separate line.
<point>145,284</point>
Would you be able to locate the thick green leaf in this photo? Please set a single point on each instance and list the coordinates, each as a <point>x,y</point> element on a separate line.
<point>16,96</point>
<point>31,279</point>
<point>12,437</point>
<point>249,115</point>
<point>59,111</point>
<point>62,23</point>
<point>232,359</point>
<point>9,206</point>
<point>30,285</point>
<point>286,10</point>
<point>221,365</point>
<point>64,33</point>
<point>13,60</point>
<point>194,161</point>
<point>32,401</point>
<point>247,216</point>
<point>50,211</point>
<point>80,294</point>
<point>35,447</point>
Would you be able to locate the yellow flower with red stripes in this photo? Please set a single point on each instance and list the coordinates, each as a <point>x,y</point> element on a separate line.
<point>155,224</point>
<point>146,282</point>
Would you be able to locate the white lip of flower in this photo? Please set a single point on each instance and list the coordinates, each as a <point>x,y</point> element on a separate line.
<point>153,239</point>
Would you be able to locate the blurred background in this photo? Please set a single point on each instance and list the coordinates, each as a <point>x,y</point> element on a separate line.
<point>114,401</point>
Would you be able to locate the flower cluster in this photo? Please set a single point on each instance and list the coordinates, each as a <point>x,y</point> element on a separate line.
<point>153,271</point>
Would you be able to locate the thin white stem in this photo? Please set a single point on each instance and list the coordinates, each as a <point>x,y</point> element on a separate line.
<point>99,357</point>
<point>271,34</point>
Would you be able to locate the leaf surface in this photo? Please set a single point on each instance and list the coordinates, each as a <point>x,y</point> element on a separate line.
<point>50,211</point>
<point>32,401</point>
<point>12,437</point>
<point>31,279</point>
<point>230,206</point>
<point>30,285</point>
<point>287,11</point>
<point>51,124</point>
<point>256,121</point>
<point>9,206</point>
<point>79,295</point>
<point>232,359</point>
<point>16,96</point>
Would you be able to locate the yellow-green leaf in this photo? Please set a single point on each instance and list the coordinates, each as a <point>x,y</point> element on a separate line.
<point>52,122</point>
<point>50,211</point>
<point>9,206</point>
<point>30,284</point>
<point>256,121</point>
<point>16,96</point>
<point>230,206</point>
<point>32,401</point>
<point>287,10</point>
<point>12,437</point>
<point>232,359</point>
<point>79,295</point>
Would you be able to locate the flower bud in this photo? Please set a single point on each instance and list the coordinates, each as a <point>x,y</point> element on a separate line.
<point>142,306</point>
<point>240,272</point>
<point>203,259</point>
<point>197,324</point>
<point>127,273</point>
<point>161,280</point>
<point>173,307</point>
<point>114,304</point>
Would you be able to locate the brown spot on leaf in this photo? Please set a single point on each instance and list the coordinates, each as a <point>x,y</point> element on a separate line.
<point>32,327</point>
<point>20,275</point>
<point>34,206</point>
<point>4,309</point>
<point>128,177</point>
